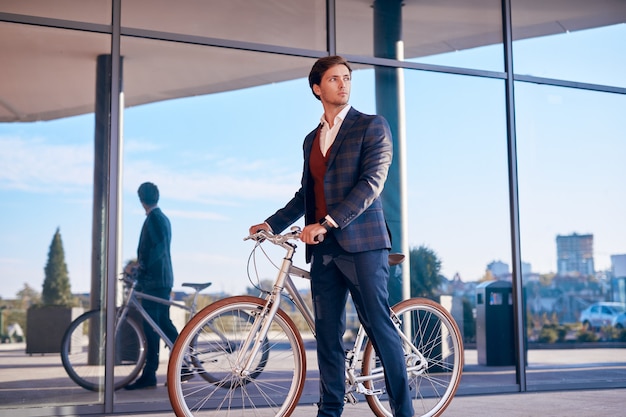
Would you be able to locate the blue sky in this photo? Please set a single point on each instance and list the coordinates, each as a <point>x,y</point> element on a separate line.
<point>223,162</point>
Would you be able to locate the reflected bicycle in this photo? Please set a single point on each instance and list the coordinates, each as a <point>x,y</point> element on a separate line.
<point>83,344</point>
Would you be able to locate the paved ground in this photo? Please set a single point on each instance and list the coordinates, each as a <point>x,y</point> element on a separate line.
<point>28,382</point>
<point>588,403</point>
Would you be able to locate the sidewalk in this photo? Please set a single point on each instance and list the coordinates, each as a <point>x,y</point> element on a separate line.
<point>40,381</point>
<point>588,403</point>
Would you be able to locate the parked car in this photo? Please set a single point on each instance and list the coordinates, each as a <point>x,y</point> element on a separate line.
<point>601,314</point>
<point>619,321</point>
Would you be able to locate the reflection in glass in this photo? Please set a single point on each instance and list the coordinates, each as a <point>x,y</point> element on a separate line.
<point>50,73</point>
<point>570,152</point>
<point>222,161</point>
<point>92,11</point>
<point>46,181</point>
<point>581,43</point>
<point>461,35</point>
<point>458,192</point>
<point>293,23</point>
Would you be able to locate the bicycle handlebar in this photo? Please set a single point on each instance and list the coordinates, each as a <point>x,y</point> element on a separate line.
<point>128,279</point>
<point>280,239</point>
<point>277,239</point>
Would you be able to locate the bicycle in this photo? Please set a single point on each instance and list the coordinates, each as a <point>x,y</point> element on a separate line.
<point>83,344</point>
<point>266,372</point>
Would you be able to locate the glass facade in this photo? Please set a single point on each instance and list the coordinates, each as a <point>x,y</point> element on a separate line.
<point>301,24</point>
<point>569,164</point>
<point>506,170</point>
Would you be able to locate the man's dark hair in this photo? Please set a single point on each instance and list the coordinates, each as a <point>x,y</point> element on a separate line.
<point>148,194</point>
<point>321,66</point>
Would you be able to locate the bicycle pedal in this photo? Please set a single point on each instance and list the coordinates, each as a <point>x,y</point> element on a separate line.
<point>350,399</point>
<point>367,391</point>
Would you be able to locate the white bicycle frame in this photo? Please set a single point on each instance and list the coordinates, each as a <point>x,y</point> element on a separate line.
<point>132,298</point>
<point>416,364</point>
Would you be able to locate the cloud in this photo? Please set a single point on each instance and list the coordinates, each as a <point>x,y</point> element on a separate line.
<point>37,165</point>
<point>195,215</point>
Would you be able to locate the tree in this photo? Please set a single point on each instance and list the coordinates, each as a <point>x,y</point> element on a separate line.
<point>487,277</point>
<point>424,273</point>
<point>56,285</point>
<point>425,277</point>
<point>265,285</point>
<point>27,296</point>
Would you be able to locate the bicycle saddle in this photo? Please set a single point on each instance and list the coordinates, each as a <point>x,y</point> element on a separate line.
<point>197,287</point>
<point>395,258</point>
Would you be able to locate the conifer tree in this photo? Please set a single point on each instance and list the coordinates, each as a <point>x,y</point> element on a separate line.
<point>56,285</point>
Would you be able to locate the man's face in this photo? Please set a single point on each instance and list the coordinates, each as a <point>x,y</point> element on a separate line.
<point>334,89</point>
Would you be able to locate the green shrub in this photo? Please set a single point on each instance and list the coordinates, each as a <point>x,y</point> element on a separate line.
<point>586,336</point>
<point>548,334</point>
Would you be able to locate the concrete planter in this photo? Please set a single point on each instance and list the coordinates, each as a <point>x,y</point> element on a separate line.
<point>46,325</point>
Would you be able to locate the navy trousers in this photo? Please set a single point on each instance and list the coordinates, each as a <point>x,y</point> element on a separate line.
<point>334,272</point>
<point>160,313</point>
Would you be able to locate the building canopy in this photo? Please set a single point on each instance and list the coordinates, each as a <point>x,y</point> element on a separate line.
<point>50,73</point>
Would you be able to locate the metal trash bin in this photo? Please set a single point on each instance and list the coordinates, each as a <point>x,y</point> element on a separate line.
<point>495,341</point>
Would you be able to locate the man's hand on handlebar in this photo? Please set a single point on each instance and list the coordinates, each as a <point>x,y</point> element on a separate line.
<point>260,226</point>
<point>313,233</point>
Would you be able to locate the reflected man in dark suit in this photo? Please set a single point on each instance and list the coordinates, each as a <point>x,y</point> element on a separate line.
<point>155,277</point>
<point>346,160</point>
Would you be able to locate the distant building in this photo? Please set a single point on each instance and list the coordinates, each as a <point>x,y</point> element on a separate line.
<point>498,269</point>
<point>575,255</point>
<point>618,266</point>
<point>618,282</point>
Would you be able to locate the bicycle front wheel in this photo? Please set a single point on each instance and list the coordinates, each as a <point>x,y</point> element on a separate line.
<point>83,351</point>
<point>434,359</point>
<point>211,343</point>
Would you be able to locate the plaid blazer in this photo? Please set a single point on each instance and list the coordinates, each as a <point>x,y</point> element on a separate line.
<point>355,176</point>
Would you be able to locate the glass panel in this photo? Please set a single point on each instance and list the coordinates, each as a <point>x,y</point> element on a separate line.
<point>53,72</point>
<point>92,11</point>
<point>458,208</point>
<point>467,34</point>
<point>221,161</point>
<point>47,159</point>
<point>266,22</point>
<point>571,147</point>
<point>580,42</point>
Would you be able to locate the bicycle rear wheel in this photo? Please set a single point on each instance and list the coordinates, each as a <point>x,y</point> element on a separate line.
<point>212,341</point>
<point>434,333</point>
<point>83,351</point>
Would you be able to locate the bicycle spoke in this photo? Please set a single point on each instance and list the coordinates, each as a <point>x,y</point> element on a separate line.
<point>213,342</point>
<point>436,337</point>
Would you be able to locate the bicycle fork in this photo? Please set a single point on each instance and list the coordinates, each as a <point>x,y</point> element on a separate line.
<point>262,322</point>
<point>252,345</point>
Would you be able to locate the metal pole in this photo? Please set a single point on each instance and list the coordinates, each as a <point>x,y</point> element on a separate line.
<point>518,288</point>
<point>112,218</point>
<point>390,104</point>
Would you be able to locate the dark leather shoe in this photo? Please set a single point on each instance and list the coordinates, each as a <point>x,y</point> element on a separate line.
<point>141,383</point>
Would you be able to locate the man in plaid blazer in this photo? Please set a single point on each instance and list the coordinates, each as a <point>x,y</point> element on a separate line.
<point>346,160</point>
